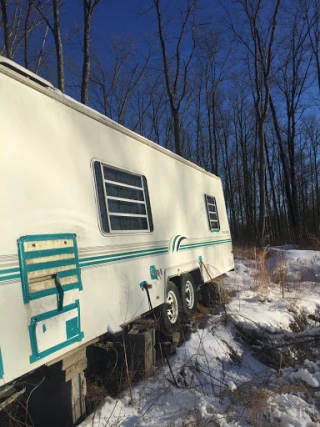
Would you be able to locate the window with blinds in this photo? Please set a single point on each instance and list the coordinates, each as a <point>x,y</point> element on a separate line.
<point>123,199</point>
<point>212,212</point>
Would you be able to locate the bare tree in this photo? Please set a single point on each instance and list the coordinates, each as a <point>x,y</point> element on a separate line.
<point>88,9</point>
<point>177,66</point>
<point>20,21</point>
<point>55,29</point>
<point>213,58</point>
<point>6,30</point>
<point>26,34</point>
<point>311,10</point>
<point>260,45</point>
<point>58,43</point>
<point>292,79</point>
<point>114,84</point>
<point>12,15</point>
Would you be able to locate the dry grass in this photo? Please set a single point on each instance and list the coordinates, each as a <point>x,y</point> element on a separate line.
<point>280,275</point>
<point>315,242</point>
<point>259,402</point>
<point>96,393</point>
<point>222,293</point>
<point>261,275</point>
<point>293,388</point>
<point>310,242</point>
<point>201,309</point>
<point>263,278</point>
<point>254,400</point>
<point>244,252</point>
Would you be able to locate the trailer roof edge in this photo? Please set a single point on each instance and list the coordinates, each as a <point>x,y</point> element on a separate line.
<point>11,69</point>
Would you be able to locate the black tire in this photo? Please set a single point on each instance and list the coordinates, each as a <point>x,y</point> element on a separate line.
<point>171,309</point>
<point>189,295</point>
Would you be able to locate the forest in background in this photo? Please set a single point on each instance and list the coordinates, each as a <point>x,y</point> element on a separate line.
<point>233,86</point>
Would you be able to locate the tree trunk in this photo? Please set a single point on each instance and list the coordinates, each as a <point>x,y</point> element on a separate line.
<point>177,132</point>
<point>292,213</point>
<point>26,36</point>
<point>6,31</point>
<point>58,42</point>
<point>214,130</point>
<point>277,228</point>
<point>262,185</point>
<point>86,54</point>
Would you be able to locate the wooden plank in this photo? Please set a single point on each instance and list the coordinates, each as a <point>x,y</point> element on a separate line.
<point>75,369</point>
<point>141,351</point>
<point>73,358</point>
<point>78,395</point>
<point>72,352</point>
<point>42,285</point>
<point>50,258</point>
<point>50,271</point>
<point>41,245</point>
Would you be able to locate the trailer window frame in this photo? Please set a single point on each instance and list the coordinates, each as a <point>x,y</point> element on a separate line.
<point>212,213</point>
<point>122,194</point>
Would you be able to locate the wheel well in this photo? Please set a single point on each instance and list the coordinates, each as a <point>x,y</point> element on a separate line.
<point>197,277</point>
<point>196,274</point>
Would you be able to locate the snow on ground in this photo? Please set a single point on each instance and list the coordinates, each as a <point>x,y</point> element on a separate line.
<point>220,380</point>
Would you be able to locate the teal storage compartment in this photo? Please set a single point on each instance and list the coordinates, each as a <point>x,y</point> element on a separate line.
<point>50,332</point>
<point>49,264</point>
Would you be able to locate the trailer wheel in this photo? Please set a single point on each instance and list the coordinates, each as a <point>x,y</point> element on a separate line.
<point>188,294</point>
<point>171,309</point>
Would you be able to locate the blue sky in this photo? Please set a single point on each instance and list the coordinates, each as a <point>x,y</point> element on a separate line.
<point>111,17</point>
<point>121,17</point>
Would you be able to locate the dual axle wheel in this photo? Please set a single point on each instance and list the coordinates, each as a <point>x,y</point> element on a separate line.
<point>177,305</point>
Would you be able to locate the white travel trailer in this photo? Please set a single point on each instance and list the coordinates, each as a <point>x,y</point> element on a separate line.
<point>90,213</point>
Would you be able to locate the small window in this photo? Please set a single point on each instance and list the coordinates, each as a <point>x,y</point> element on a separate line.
<point>212,212</point>
<point>123,199</point>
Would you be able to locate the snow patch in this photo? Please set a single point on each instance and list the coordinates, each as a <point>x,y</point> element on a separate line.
<point>114,329</point>
<point>221,382</point>
<point>305,376</point>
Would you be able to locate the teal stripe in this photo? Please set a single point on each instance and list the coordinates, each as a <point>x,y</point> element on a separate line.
<point>97,260</point>
<point>198,245</point>
<point>10,270</point>
<point>105,261</point>
<point>53,264</point>
<point>48,252</point>
<point>12,276</point>
<point>67,273</point>
<point>174,241</point>
<point>133,254</point>
<point>87,261</point>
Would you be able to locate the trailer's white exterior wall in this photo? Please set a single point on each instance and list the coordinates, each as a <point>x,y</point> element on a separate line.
<point>48,145</point>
